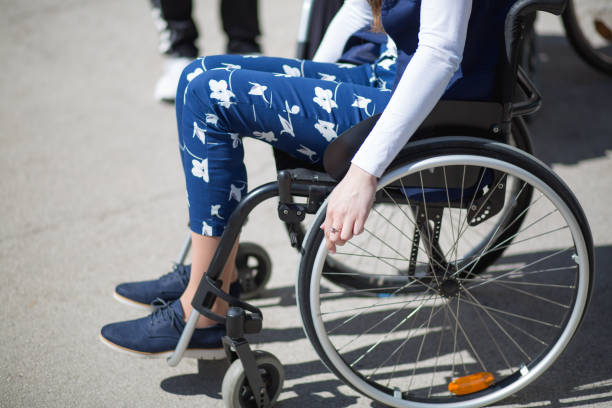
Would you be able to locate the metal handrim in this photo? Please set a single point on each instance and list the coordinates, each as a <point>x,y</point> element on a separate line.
<point>537,369</point>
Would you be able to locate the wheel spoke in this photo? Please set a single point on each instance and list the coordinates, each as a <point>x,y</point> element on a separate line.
<point>546,285</point>
<point>382,338</point>
<point>413,224</point>
<point>527,318</point>
<point>532,295</point>
<point>478,304</point>
<point>381,322</point>
<point>497,346</point>
<point>385,244</point>
<point>544,258</point>
<point>465,336</point>
<point>495,233</point>
<point>418,357</point>
<point>403,259</point>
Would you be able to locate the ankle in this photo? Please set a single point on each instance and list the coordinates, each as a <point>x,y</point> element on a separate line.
<point>203,321</point>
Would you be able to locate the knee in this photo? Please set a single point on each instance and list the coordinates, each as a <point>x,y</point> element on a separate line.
<point>209,88</point>
<point>192,69</point>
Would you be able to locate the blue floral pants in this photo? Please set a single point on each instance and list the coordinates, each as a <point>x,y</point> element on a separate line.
<point>297,106</point>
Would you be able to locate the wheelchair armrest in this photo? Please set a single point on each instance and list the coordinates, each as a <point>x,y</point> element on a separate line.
<point>514,24</point>
<point>534,99</point>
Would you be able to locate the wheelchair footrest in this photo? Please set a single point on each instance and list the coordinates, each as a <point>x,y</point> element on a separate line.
<point>208,292</point>
<point>238,322</point>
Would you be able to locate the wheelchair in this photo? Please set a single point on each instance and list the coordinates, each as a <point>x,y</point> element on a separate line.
<point>471,277</point>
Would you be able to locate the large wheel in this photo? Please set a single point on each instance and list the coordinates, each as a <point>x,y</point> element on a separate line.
<point>588,25</point>
<point>236,390</point>
<point>359,273</point>
<point>457,338</point>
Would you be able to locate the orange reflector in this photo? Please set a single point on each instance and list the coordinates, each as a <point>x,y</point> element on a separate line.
<point>603,29</point>
<point>470,383</point>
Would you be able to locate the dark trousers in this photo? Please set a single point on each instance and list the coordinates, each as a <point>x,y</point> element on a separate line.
<point>179,33</point>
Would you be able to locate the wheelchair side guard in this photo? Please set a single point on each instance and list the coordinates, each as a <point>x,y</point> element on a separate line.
<point>473,118</point>
<point>428,222</point>
<point>490,201</point>
<point>338,155</point>
<point>481,192</point>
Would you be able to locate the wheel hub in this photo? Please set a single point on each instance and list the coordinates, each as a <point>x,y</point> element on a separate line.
<point>449,287</point>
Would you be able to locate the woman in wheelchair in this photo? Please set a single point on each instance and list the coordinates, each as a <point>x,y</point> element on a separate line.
<point>300,107</point>
<point>456,50</point>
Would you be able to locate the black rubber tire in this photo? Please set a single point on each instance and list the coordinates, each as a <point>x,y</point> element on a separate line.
<point>422,150</point>
<point>235,388</point>
<point>576,37</point>
<point>254,269</point>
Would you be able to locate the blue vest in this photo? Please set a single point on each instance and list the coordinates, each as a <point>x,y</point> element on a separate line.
<point>477,78</point>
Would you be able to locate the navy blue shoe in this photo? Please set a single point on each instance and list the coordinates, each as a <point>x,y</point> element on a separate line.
<point>157,335</point>
<point>150,295</point>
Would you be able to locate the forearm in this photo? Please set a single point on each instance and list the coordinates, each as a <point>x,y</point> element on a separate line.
<point>415,96</point>
<point>438,56</point>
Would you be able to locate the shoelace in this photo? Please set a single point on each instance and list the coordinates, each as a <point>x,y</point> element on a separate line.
<point>180,271</point>
<point>163,313</point>
<point>158,303</point>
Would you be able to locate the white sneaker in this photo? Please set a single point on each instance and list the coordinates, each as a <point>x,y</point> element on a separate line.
<point>165,89</point>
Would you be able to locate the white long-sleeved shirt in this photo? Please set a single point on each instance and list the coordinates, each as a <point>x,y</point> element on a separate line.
<point>442,33</point>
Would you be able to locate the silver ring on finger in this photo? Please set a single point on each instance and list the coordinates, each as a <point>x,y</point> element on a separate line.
<point>333,230</point>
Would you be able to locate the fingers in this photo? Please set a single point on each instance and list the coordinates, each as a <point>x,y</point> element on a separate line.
<point>347,228</point>
<point>348,207</point>
<point>359,225</point>
<point>332,235</point>
<point>332,229</point>
<point>353,225</point>
<point>337,234</point>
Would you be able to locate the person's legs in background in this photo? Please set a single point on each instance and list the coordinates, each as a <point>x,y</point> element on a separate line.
<point>178,32</point>
<point>177,41</point>
<point>178,36</point>
<point>241,24</point>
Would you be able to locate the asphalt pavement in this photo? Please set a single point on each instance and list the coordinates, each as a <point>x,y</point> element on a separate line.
<point>91,194</point>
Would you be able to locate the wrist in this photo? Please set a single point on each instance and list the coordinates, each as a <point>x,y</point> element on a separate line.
<point>357,172</point>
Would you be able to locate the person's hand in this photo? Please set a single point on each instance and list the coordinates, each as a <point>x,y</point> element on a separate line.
<point>348,207</point>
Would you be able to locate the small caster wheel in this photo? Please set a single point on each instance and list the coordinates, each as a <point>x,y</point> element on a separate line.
<point>235,389</point>
<point>254,269</point>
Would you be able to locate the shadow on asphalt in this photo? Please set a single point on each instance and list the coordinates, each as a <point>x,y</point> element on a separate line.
<point>583,373</point>
<point>206,381</point>
<point>581,376</point>
<point>574,123</point>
